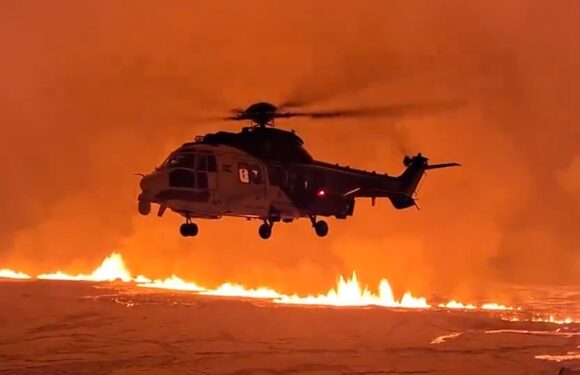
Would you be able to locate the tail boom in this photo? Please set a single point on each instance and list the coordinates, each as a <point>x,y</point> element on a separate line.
<point>401,190</point>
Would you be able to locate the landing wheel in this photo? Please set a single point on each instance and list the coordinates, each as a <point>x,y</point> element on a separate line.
<point>188,230</point>
<point>265,231</point>
<point>321,228</point>
<point>144,208</point>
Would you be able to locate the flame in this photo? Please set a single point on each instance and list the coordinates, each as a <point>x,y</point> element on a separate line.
<point>173,283</point>
<point>349,293</point>
<point>9,274</point>
<point>113,268</point>
<point>236,290</point>
<point>495,306</point>
<point>142,279</point>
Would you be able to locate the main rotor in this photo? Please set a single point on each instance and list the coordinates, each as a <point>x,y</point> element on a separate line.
<point>263,114</point>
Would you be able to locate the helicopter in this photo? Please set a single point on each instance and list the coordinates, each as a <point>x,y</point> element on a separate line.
<point>265,173</point>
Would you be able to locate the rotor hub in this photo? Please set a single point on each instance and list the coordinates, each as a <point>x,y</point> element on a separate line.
<point>261,113</point>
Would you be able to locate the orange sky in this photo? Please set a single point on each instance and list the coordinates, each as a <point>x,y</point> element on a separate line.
<point>95,91</point>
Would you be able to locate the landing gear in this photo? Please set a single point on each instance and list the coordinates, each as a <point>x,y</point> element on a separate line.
<point>144,207</point>
<point>188,229</point>
<point>320,226</point>
<point>265,230</point>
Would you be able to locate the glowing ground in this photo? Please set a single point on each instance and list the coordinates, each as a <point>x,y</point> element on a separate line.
<point>65,327</point>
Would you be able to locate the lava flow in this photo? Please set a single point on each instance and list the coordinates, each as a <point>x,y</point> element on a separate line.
<point>538,319</point>
<point>347,292</point>
<point>486,306</point>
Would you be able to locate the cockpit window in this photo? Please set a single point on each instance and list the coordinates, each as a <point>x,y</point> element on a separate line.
<point>181,160</point>
<point>190,160</point>
<point>185,161</point>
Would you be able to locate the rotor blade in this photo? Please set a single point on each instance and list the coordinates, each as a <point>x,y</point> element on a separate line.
<point>234,118</point>
<point>192,119</point>
<point>398,110</point>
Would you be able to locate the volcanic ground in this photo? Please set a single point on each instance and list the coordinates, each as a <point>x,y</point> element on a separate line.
<point>65,327</point>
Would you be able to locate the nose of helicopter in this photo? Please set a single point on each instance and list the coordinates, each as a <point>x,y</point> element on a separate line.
<point>151,183</point>
<point>150,186</point>
<point>145,182</point>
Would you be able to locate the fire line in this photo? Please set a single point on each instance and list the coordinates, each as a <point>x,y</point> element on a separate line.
<point>347,292</point>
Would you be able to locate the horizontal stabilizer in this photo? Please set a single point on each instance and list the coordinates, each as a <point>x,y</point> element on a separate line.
<point>443,165</point>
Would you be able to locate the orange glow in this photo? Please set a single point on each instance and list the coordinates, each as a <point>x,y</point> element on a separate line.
<point>9,274</point>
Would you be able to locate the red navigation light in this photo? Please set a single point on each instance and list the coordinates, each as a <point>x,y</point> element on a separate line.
<point>321,193</point>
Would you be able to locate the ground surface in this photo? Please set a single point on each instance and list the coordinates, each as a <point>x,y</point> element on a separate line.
<point>81,328</point>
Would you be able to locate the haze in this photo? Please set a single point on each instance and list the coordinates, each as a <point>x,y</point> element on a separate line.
<point>93,92</point>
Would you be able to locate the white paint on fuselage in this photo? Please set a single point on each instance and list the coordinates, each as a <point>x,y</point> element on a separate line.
<point>229,194</point>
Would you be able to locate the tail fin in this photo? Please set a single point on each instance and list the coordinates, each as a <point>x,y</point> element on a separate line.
<point>410,178</point>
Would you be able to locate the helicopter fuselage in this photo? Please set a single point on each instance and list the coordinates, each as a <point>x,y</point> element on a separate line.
<point>266,174</point>
<point>211,181</point>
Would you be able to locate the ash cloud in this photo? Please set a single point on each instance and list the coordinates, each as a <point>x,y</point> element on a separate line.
<point>93,92</point>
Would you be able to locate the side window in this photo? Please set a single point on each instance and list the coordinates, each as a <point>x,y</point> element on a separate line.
<point>211,163</point>
<point>256,174</point>
<point>244,173</point>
